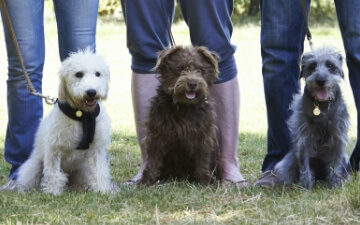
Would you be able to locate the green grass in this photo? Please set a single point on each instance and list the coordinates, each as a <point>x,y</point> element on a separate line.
<point>180,202</point>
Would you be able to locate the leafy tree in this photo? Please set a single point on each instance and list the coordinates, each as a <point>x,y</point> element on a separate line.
<point>244,10</point>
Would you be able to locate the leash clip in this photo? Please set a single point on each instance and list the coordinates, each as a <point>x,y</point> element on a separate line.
<point>50,101</point>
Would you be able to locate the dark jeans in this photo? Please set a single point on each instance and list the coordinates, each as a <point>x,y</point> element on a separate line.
<point>209,22</point>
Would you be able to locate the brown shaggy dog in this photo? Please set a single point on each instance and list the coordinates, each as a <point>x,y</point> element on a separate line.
<point>182,134</point>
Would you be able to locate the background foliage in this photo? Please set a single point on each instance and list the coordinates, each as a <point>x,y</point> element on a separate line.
<point>321,10</point>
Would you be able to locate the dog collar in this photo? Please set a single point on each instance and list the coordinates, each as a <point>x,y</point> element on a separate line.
<point>88,120</point>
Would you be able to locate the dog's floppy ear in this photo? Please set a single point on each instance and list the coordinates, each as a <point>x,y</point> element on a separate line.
<point>211,57</point>
<point>64,70</point>
<point>62,92</point>
<point>66,67</point>
<point>304,61</point>
<point>301,72</point>
<point>340,58</point>
<point>162,56</point>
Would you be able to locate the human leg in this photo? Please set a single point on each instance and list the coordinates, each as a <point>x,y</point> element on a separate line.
<point>76,22</point>
<point>349,22</point>
<point>147,31</point>
<point>24,110</point>
<point>282,37</point>
<point>210,25</point>
<point>227,100</point>
<point>213,19</point>
<point>143,45</point>
<point>141,101</point>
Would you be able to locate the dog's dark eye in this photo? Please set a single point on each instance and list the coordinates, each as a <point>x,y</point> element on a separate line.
<point>312,66</point>
<point>179,69</point>
<point>198,71</point>
<point>97,74</point>
<point>79,74</point>
<point>330,66</point>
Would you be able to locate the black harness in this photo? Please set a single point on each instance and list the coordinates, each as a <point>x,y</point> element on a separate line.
<point>88,120</point>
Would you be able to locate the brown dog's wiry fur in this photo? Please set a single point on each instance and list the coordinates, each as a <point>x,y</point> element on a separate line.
<point>182,134</point>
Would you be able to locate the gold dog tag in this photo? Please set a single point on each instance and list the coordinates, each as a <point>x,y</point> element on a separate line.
<point>78,113</point>
<point>316,111</point>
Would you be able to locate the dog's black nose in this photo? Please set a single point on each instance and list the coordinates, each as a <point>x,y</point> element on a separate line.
<point>192,84</point>
<point>320,82</point>
<point>91,93</point>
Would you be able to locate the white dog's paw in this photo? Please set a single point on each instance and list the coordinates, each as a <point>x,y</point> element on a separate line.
<point>52,190</point>
<point>52,187</point>
<point>55,184</point>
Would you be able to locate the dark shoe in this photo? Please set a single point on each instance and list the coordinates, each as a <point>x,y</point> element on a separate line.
<point>9,186</point>
<point>268,179</point>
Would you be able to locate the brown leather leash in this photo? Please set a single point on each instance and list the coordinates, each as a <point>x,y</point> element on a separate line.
<point>31,88</point>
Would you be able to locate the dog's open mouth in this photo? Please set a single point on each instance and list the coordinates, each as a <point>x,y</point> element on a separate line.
<point>91,102</point>
<point>190,95</point>
<point>322,94</point>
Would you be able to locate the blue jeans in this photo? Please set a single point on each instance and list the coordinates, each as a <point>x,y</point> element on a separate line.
<point>76,21</point>
<point>209,22</point>
<point>282,43</point>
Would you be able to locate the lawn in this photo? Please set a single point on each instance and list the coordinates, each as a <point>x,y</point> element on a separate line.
<point>180,202</point>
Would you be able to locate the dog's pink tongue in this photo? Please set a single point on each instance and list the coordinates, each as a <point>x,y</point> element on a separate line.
<point>321,94</point>
<point>190,95</point>
<point>90,102</point>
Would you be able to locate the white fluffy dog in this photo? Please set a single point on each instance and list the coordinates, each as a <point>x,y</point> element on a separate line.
<point>70,148</point>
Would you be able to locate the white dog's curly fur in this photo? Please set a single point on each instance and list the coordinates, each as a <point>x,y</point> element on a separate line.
<point>56,162</point>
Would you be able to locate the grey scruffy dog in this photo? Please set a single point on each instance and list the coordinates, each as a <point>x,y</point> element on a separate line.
<point>318,125</point>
